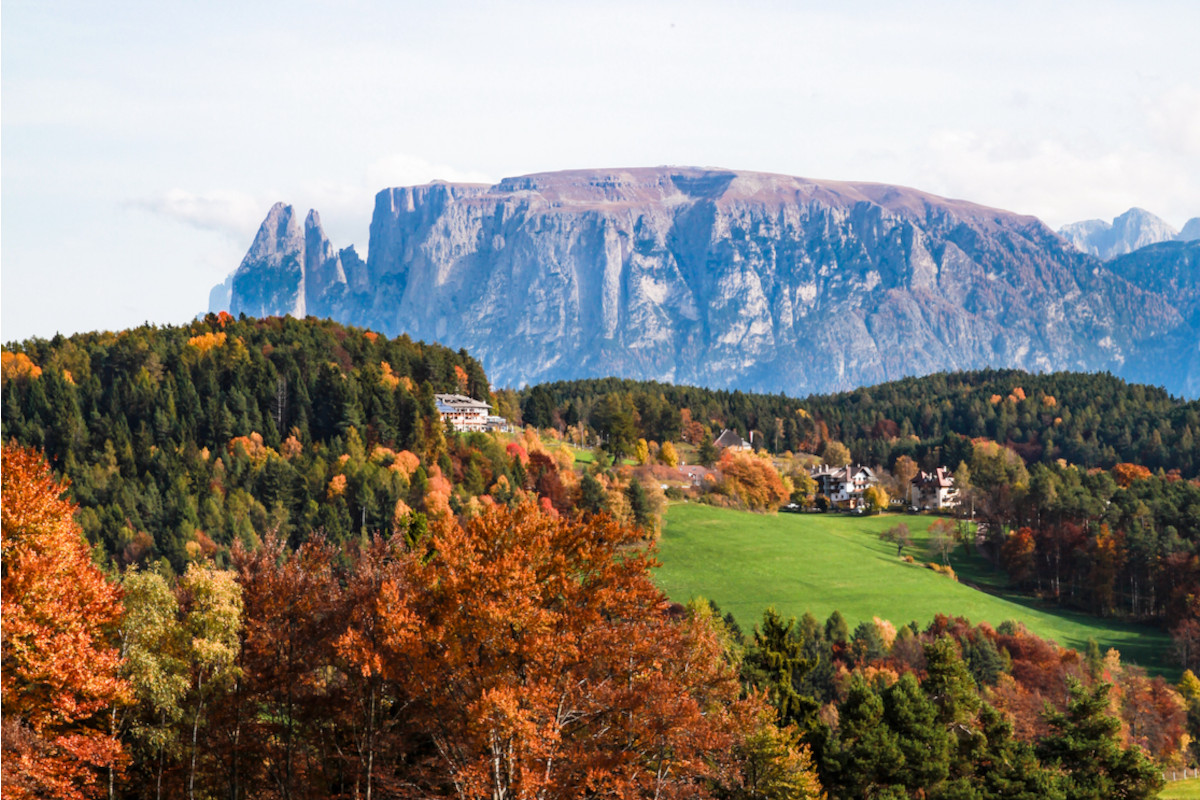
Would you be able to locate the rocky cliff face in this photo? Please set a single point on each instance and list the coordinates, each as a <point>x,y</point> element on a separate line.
<point>1132,230</point>
<point>1171,270</point>
<point>290,270</point>
<point>712,277</point>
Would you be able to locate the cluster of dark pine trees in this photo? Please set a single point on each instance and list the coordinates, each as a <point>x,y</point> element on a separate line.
<point>961,711</point>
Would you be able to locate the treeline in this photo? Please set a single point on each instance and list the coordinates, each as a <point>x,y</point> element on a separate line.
<point>1092,420</point>
<point>178,438</point>
<point>1121,541</point>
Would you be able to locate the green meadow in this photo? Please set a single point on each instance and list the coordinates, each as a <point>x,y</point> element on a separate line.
<point>746,562</point>
<point>1182,790</point>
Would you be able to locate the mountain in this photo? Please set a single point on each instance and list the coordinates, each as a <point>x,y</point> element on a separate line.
<point>1170,270</point>
<point>290,269</point>
<point>716,278</point>
<point>1191,230</point>
<point>1134,229</point>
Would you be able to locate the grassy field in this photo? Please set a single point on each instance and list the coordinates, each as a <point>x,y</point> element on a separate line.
<point>1182,790</point>
<point>822,562</point>
<point>586,456</point>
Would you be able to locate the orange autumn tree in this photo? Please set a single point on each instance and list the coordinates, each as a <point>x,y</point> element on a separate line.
<point>752,480</point>
<point>537,659</point>
<point>59,668</point>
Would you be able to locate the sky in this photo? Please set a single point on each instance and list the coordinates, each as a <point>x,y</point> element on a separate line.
<point>142,143</point>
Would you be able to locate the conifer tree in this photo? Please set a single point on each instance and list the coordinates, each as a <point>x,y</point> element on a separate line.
<point>775,661</point>
<point>1084,742</point>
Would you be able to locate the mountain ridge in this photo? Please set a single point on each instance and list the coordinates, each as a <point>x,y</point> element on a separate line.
<point>720,278</point>
<point>1128,232</point>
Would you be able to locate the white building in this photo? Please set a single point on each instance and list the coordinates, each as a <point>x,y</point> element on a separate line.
<point>935,490</point>
<point>463,413</point>
<point>844,486</point>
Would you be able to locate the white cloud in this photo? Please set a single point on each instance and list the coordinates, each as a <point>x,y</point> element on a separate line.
<point>1174,120</point>
<point>1057,180</point>
<point>233,213</point>
<point>345,207</point>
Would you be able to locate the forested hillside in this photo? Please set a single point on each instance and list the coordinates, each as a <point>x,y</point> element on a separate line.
<point>200,435</point>
<point>1087,484</point>
<point>1092,420</point>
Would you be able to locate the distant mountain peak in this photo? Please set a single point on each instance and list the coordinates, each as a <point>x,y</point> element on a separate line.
<point>1191,230</point>
<point>1134,229</point>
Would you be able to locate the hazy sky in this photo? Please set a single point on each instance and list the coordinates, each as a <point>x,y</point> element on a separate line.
<point>143,142</point>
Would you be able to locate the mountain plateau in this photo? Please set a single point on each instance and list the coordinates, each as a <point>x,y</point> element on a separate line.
<point>723,279</point>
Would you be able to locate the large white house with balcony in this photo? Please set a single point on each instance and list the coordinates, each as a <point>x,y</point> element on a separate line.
<point>844,486</point>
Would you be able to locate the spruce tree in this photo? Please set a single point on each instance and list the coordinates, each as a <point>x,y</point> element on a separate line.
<point>775,661</point>
<point>1085,743</point>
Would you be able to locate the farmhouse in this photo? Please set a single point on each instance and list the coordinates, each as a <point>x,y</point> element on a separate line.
<point>844,486</point>
<point>935,490</point>
<point>695,474</point>
<point>463,413</point>
<point>728,440</point>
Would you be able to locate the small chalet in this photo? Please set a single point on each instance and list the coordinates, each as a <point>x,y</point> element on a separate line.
<point>463,413</point>
<point>695,474</point>
<point>844,486</point>
<point>935,490</point>
<point>728,440</point>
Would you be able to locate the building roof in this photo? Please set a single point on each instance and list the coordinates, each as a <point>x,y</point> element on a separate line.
<point>458,402</point>
<point>730,439</point>
<point>846,473</point>
<point>940,478</point>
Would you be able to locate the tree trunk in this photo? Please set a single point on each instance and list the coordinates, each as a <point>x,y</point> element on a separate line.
<point>195,740</point>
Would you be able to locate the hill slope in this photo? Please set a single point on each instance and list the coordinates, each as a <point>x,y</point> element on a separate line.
<point>821,563</point>
<point>1091,420</point>
<point>177,438</point>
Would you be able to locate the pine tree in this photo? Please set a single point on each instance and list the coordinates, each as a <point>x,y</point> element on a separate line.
<point>775,661</point>
<point>1084,742</point>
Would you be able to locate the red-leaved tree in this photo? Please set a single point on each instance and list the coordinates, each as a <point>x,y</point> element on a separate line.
<point>536,659</point>
<point>59,666</point>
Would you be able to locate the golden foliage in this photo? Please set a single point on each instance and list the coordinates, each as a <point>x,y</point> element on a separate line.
<point>253,446</point>
<point>291,447</point>
<point>406,463</point>
<point>1126,474</point>
<point>668,455</point>
<point>387,377</point>
<point>207,341</point>
<point>17,365</point>
<point>887,631</point>
<point>753,481</point>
